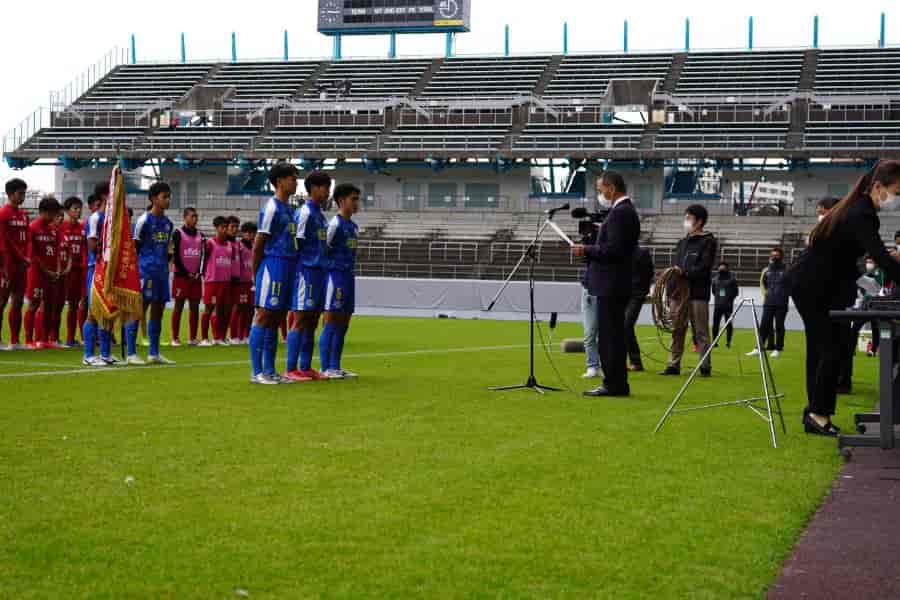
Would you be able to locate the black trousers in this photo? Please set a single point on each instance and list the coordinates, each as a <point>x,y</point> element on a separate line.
<point>632,313</point>
<point>848,345</point>
<point>826,343</point>
<point>773,319</point>
<point>721,313</point>
<point>611,343</point>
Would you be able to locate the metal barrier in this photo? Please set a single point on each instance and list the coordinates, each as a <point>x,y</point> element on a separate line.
<point>461,251</point>
<point>511,251</point>
<point>379,249</point>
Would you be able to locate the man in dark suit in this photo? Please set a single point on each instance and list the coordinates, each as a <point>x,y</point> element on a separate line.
<point>609,279</point>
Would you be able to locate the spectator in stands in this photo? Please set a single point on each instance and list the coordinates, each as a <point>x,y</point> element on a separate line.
<point>589,322</point>
<point>695,256</point>
<point>824,278</point>
<point>725,290</point>
<point>641,278</point>
<point>776,297</point>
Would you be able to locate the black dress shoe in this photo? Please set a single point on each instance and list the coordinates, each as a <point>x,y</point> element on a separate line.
<point>602,392</point>
<point>810,426</point>
<point>833,428</point>
<point>705,372</point>
<point>670,371</point>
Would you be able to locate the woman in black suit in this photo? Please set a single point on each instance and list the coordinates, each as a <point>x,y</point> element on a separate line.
<point>824,279</point>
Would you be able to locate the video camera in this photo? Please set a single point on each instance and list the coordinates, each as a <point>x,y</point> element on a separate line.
<point>587,224</point>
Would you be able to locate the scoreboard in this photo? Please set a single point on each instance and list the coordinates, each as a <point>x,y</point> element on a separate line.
<point>385,16</point>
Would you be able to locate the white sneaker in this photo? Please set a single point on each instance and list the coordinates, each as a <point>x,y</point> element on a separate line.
<point>194,343</point>
<point>159,359</point>
<point>333,374</point>
<point>235,341</point>
<point>348,374</point>
<point>591,373</point>
<point>262,379</point>
<point>753,352</point>
<point>135,360</point>
<point>94,361</point>
<point>245,341</point>
<point>110,360</point>
<point>775,354</point>
<point>5,348</point>
<point>206,344</point>
<point>18,347</point>
<point>175,344</point>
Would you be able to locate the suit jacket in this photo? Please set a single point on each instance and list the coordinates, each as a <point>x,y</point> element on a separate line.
<point>610,260</point>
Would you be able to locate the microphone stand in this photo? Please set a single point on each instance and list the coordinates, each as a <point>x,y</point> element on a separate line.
<point>528,254</point>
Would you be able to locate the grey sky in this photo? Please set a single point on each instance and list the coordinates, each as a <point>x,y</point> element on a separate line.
<point>56,41</point>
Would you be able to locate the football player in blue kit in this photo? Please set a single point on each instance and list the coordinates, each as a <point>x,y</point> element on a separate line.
<point>152,239</point>
<point>92,330</point>
<point>308,300</point>
<point>274,263</point>
<point>340,288</point>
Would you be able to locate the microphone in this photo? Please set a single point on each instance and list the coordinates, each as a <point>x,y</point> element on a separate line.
<point>553,211</point>
<point>580,213</point>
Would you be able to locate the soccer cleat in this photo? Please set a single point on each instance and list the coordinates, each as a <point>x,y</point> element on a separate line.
<point>753,352</point>
<point>591,373</point>
<point>313,375</point>
<point>235,341</point>
<point>5,348</point>
<point>175,343</point>
<point>295,377</point>
<point>135,360</point>
<point>159,359</point>
<point>32,346</point>
<point>206,344</point>
<point>348,374</point>
<point>54,345</point>
<point>194,343</point>
<point>71,345</point>
<point>110,360</point>
<point>775,354</point>
<point>332,374</point>
<point>263,379</point>
<point>94,361</point>
<point>18,347</point>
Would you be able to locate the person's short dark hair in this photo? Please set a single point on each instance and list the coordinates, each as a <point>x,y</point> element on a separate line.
<point>282,169</point>
<point>49,204</point>
<point>92,200</point>
<point>189,210</point>
<point>130,212</point>
<point>233,220</point>
<point>316,179</point>
<point>345,190</point>
<point>248,227</point>
<point>778,249</point>
<point>160,187</point>
<point>220,222</point>
<point>101,189</point>
<point>15,185</point>
<point>616,180</point>
<point>828,203</point>
<point>72,201</point>
<point>699,212</point>
<point>722,263</point>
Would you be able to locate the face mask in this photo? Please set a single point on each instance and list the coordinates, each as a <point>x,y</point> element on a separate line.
<point>774,260</point>
<point>890,203</point>
<point>604,201</point>
<point>820,218</point>
<point>870,267</point>
<point>688,226</point>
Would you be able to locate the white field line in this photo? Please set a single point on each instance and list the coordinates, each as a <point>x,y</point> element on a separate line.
<point>245,362</point>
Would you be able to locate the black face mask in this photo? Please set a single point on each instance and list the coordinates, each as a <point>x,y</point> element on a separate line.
<point>724,273</point>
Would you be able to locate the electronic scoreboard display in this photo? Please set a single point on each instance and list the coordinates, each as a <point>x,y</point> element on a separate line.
<point>383,16</point>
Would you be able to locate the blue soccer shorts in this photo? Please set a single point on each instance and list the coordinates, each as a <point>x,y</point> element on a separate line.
<point>309,291</point>
<point>275,283</point>
<point>340,292</point>
<point>156,288</point>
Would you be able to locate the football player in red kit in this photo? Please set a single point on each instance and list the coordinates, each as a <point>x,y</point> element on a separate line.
<point>14,254</point>
<point>43,272</point>
<point>73,237</point>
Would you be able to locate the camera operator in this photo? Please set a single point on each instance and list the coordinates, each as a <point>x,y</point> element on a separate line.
<point>609,279</point>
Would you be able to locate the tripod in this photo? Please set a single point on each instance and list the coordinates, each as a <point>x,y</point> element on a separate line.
<point>528,254</point>
<point>770,395</point>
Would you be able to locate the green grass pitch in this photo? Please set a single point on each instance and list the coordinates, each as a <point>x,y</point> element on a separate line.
<point>413,481</point>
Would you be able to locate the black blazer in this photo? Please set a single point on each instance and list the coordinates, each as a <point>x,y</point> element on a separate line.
<point>827,272</point>
<point>610,259</point>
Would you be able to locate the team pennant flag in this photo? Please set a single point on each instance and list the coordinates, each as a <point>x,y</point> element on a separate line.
<point>116,288</point>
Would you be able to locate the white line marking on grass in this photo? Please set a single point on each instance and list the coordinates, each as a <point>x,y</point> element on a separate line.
<point>27,363</point>
<point>246,362</point>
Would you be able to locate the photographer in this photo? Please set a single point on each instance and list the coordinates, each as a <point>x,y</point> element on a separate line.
<point>609,279</point>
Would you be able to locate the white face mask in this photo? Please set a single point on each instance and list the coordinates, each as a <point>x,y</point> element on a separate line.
<point>890,203</point>
<point>688,226</point>
<point>604,201</point>
<point>870,267</point>
<point>820,218</point>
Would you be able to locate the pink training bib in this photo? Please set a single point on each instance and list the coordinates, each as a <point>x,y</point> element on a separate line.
<point>191,250</point>
<point>219,261</point>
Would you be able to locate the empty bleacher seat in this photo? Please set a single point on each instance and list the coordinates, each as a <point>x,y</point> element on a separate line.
<point>576,137</point>
<point>588,76</point>
<point>199,140</point>
<point>734,73</point>
<point>142,85</point>
<point>368,79</point>
<point>444,138</point>
<point>82,141</point>
<point>720,136</point>
<point>486,77</point>
<point>261,81</point>
<point>838,135</point>
<point>858,71</point>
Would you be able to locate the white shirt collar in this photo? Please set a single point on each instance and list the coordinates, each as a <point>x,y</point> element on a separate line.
<point>620,200</point>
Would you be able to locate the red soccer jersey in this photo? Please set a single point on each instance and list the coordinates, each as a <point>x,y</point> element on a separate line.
<point>72,237</point>
<point>13,233</point>
<point>44,246</point>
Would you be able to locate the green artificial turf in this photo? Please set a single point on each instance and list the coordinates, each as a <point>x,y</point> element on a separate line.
<point>413,481</point>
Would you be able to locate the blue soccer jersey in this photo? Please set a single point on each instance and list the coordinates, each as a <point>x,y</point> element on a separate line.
<point>311,236</point>
<point>276,220</point>
<point>342,239</point>
<point>94,232</point>
<point>153,235</point>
